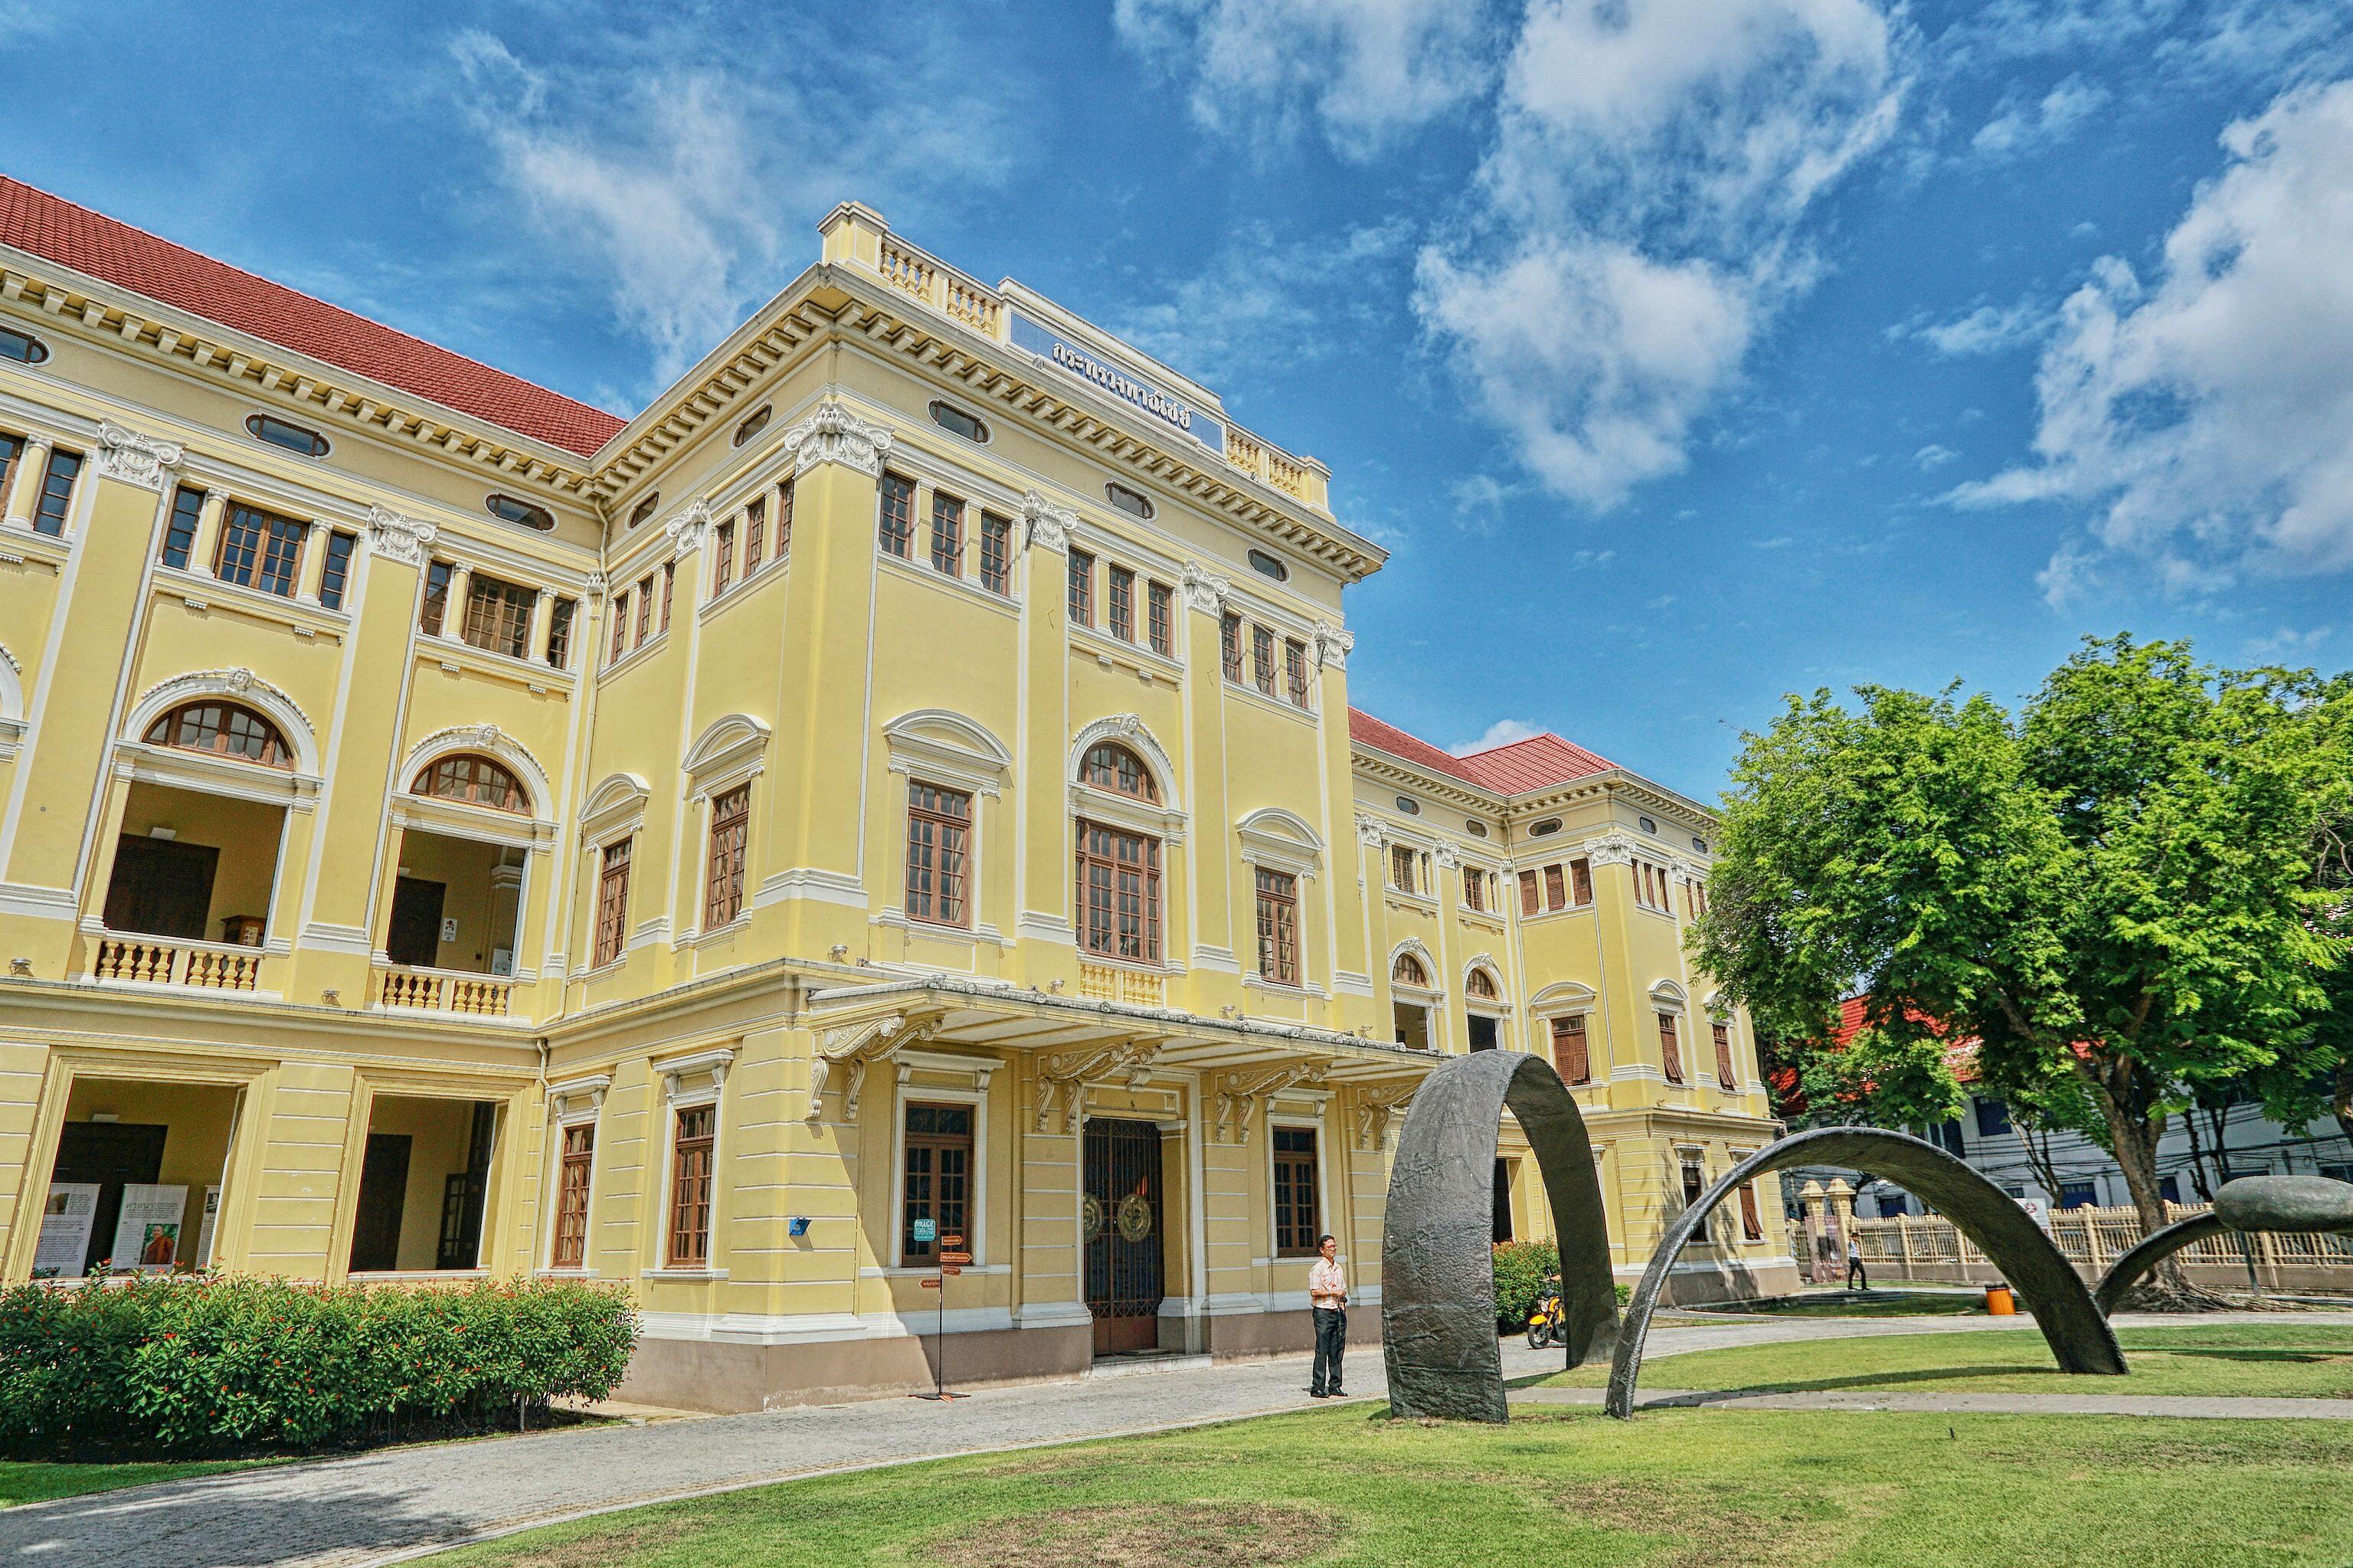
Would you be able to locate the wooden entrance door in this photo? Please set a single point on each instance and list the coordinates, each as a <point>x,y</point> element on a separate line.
<point>415,936</point>
<point>161,887</point>
<point>383,1194</point>
<point>111,1154</point>
<point>1120,1219</point>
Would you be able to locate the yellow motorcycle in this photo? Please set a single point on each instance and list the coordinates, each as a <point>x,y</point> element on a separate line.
<point>1546,1324</point>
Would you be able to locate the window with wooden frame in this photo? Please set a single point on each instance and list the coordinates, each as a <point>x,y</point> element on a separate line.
<point>1580,881</point>
<point>1119,603</point>
<point>1112,767</point>
<point>1480,985</point>
<point>691,1147</point>
<point>573,1168</point>
<point>1408,971</point>
<point>1474,889</point>
<point>619,610</point>
<point>258,550</point>
<point>12,452</point>
<point>755,532</point>
<point>785,516</point>
<point>560,617</point>
<point>722,557</point>
<point>1297,1202</point>
<point>1651,887</point>
<point>1555,880</point>
<point>223,729</point>
<point>897,526</point>
<point>1571,1056</point>
<point>56,492</point>
<point>1278,927</point>
<point>644,609</point>
<point>179,532</point>
<point>995,552</point>
<point>1118,893</point>
<point>947,536</point>
<point>723,880</point>
<point>1752,1223</point>
<point>335,571</point>
<point>1402,864</point>
<point>936,1176</point>
<point>1262,658</point>
<point>498,616</point>
<point>1229,647</point>
<point>612,905</point>
<point>1725,1073</point>
<point>670,585</point>
<point>1159,618</point>
<point>1670,1056</point>
<point>1529,898</point>
<point>471,780</point>
<point>1294,671</point>
<point>939,844</point>
<point>1082,588</point>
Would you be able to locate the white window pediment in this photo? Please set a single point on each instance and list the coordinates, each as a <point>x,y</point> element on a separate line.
<point>1669,997</point>
<point>1563,997</point>
<point>1130,731</point>
<point>1484,964</point>
<point>491,742</point>
<point>1429,995</point>
<point>246,689</point>
<point>946,749</point>
<point>729,750</point>
<point>1279,840</point>
<point>614,808</point>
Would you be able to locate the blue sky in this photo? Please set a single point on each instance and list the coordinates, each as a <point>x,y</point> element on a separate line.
<point>1683,352</point>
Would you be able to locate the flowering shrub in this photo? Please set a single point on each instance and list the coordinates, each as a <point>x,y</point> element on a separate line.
<point>154,1365</point>
<point>1520,1269</point>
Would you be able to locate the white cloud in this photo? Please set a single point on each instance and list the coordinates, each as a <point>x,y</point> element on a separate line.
<point>671,165</point>
<point>2288,645</point>
<point>1641,218</point>
<point>1934,455</point>
<point>2020,128</point>
<point>1988,329</point>
<point>1503,732</point>
<point>1366,71</point>
<point>2208,416</point>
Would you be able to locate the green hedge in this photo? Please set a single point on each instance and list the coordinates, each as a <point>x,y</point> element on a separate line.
<point>1520,1269</point>
<point>151,1365</point>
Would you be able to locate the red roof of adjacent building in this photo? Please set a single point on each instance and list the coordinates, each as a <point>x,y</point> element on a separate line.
<point>103,248</point>
<point>1536,763</point>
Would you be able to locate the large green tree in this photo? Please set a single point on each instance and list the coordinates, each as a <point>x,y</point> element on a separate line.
<point>2115,890</point>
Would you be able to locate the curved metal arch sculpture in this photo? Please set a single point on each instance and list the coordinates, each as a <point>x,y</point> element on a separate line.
<point>1438,1276</point>
<point>2029,1260</point>
<point>2286,1203</point>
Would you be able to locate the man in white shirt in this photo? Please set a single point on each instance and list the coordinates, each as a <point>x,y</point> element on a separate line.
<point>1327,1292</point>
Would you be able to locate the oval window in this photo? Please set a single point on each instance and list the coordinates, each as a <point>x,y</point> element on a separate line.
<point>294,438</point>
<point>509,509</point>
<point>22,347</point>
<point>954,420</point>
<point>1700,844</point>
<point>1134,502</point>
<point>1647,825</point>
<point>644,509</point>
<point>1544,829</point>
<point>754,423</point>
<point>1476,830</point>
<point>1266,566</point>
<point>1409,807</point>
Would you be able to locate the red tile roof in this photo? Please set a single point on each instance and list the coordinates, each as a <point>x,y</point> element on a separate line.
<point>1536,763</point>
<point>100,246</point>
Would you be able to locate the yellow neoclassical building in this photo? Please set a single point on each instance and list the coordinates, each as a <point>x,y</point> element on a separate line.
<point>899,788</point>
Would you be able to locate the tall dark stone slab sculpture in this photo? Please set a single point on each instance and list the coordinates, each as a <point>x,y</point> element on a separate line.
<point>2029,1260</point>
<point>1437,1280</point>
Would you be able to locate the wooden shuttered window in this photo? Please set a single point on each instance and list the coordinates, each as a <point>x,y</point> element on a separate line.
<point>755,532</point>
<point>612,904</point>
<point>1119,603</point>
<point>1401,868</point>
<point>572,1172</point>
<point>559,631</point>
<point>995,552</point>
<point>645,624</point>
<point>1160,618</point>
<point>620,612</point>
<point>1229,647</point>
<point>1670,1056</point>
<point>1294,671</point>
<point>1726,1074</point>
<point>1580,878</point>
<point>1118,894</point>
<point>947,535</point>
<point>1528,895</point>
<point>257,550</point>
<point>1082,588</point>
<point>1571,1053</point>
<point>722,883</point>
<point>939,838</point>
<point>1555,888</point>
<point>722,557</point>
<point>1278,927</point>
<point>1752,1223</point>
<point>691,1147</point>
<point>669,586</point>
<point>1295,1194</point>
<point>936,1178</point>
<point>897,526</point>
<point>1262,660</point>
<point>498,616</point>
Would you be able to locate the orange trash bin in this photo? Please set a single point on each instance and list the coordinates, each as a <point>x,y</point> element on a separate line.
<point>2000,1302</point>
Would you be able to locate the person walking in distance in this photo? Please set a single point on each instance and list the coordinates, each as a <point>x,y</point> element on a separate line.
<point>1857,1279</point>
<point>1327,1291</point>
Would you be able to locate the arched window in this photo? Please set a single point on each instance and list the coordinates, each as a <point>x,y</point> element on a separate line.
<point>1119,770</point>
<point>1481,986</point>
<point>223,729</point>
<point>1407,970</point>
<point>471,780</point>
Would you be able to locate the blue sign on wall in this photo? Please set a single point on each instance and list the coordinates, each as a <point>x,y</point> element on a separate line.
<point>1072,360</point>
<point>926,1232</point>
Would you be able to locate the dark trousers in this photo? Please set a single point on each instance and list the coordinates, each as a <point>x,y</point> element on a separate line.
<point>1855,1275</point>
<point>1331,1339</point>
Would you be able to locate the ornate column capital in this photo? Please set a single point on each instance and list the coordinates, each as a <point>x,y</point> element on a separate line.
<point>399,538</point>
<point>1332,646</point>
<point>1204,591</point>
<point>833,434</point>
<point>133,459</point>
<point>1050,526</point>
<point>1609,849</point>
<point>1370,830</point>
<point>686,530</point>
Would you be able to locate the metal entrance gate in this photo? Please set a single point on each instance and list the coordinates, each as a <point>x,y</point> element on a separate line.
<point>1119,1221</point>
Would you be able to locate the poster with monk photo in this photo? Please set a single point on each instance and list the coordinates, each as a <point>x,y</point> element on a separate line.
<point>147,1234</point>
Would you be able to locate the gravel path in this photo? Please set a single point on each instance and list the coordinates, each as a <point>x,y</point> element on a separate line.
<point>392,1505</point>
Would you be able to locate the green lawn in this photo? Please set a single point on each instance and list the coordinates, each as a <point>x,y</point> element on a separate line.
<point>28,1481</point>
<point>1855,1304</point>
<point>1675,1489</point>
<point>2285,1360</point>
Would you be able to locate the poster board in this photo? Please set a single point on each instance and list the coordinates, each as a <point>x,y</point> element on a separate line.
<point>147,1235</point>
<point>204,1227</point>
<point>67,1219</point>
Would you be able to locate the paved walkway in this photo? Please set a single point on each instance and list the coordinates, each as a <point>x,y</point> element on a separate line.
<point>391,1506</point>
<point>2234,1407</point>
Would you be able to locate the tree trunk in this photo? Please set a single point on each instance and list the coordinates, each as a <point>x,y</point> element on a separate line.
<point>2198,1174</point>
<point>2136,1122</point>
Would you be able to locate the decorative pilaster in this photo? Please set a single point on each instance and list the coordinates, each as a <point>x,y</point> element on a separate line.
<point>833,434</point>
<point>25,486</point>
<point>205,547</point>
